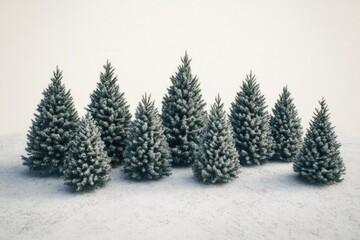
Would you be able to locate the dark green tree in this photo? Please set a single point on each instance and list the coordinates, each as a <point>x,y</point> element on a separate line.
<point>111,114</point>
<point>285,128</point>
<point>250,122</point>
<point>319,160</point>
<point>217,160</point>
<point>147,154</point>
<point>87,165</point>
<point>183,114</point>
<point>52,129</point>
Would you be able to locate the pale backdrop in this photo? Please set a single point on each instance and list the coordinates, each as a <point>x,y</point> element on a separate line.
<point>312,46</point>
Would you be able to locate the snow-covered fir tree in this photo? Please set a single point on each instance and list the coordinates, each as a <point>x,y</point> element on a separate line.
<point>111,114</point>
<point>52,129</point>
<point>217,160</point>
<point>250,122</point>
<point>319,160</point>
<point>87,165</point>
<point>183,114</point>
<point>285,128</point>
<point>147,154</point>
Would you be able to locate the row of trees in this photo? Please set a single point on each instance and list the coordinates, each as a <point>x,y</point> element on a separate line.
<point>83,150</point>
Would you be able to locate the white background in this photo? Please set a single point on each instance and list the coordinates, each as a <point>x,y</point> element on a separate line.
<point>311,46</point>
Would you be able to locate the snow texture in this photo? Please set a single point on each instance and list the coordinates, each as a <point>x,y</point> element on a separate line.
<point>264,202</point>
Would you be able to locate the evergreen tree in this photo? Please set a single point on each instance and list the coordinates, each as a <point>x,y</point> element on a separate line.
<point>147,154</point>
<point>250,122</point>
<point>319,160</point>
<point>52,129</point>
<point>217,160</point>
<point>110,112</point>
<point>285,128</point>
<point>183,114</point>
<point>87,165</point>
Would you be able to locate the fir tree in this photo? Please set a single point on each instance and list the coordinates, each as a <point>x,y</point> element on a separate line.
<point>217,160</point>
<point>285,128</point>
<point>52,129</point>
<point>250,122</point>
<point>147,154</point>
<point>183,114</point>
<point>87,165</point>
<point>319,160</point>
<point>110,112</point>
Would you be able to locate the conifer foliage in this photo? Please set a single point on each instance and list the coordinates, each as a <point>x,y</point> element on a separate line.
<point>250,122</point>
<point>87,165</point>
<point>319,160</point>
<point>52,129</point>
<point>183,114</point>
<point>147,154</point>
<point>285,128</point>
<point>110,112</point>
<point>217,160</point>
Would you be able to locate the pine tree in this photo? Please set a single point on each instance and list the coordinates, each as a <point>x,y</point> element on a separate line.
<point>110,112</point>
<point>285,128</point>
<point>250,122</point>
<point>147,154</point>
<point>217,160</point>
<point>52,129</point>
<point>183,114</point>
<point>319,160</point>
<point>87,165</point>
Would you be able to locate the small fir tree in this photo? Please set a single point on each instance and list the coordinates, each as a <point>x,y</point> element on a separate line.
<point>250,122</point>
<point>52,129</point>
<point>319,160</point>
<point>285,128</point>
<point>111,114</point>
<point>183,114</point>
<point>217,160</point>
<point>147,154</point>
<point>87,165</point>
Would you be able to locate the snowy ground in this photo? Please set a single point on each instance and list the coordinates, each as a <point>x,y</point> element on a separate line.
<point>265,202</point>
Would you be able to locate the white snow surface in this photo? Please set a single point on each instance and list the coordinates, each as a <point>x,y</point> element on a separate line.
<point>265,202</point>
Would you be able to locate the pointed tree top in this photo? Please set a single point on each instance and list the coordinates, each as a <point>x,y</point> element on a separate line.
<point>250,78</point>
<point>186,59</point>
<point>107,65</point>
<point>57,75</point>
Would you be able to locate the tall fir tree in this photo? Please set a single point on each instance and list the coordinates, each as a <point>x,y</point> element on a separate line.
<point>183,114</point>
<point>87,165</point>
<point>250,122</point>
<point>217,160</point>
<point>319,160</point>
<point>285,128</point>
<point>111,114</point>
<point>52,129</point>
<point>147,154</point>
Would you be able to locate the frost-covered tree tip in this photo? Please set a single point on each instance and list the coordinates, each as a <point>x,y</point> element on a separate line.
<point>319,160</point>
